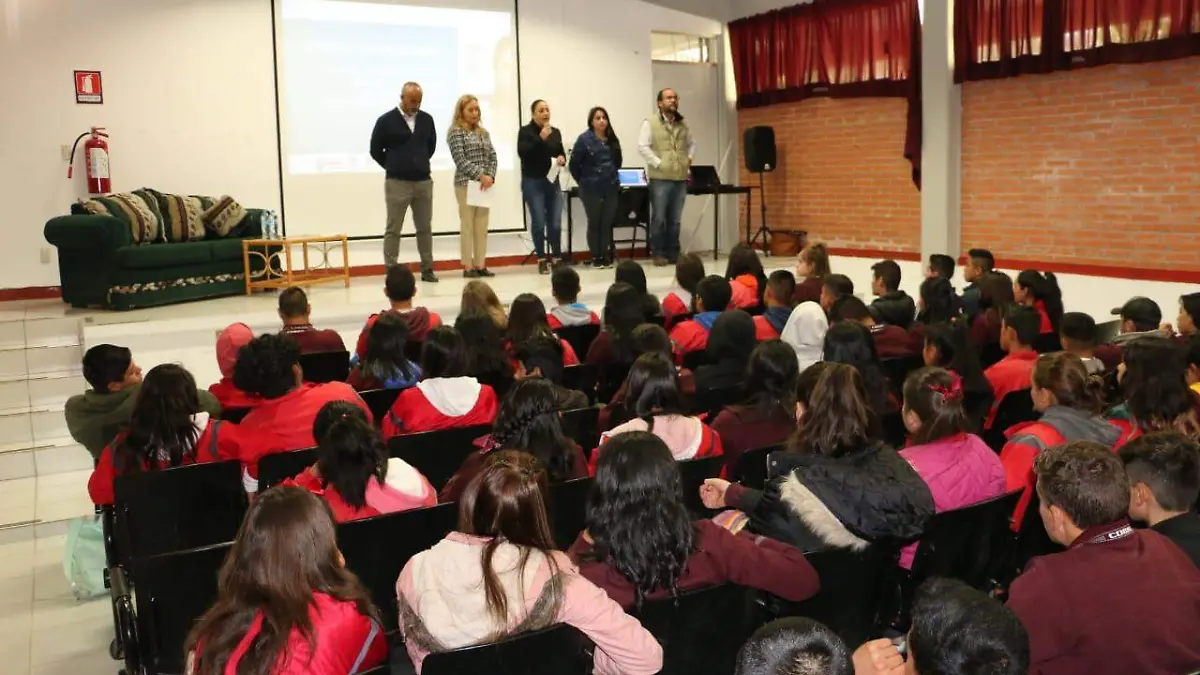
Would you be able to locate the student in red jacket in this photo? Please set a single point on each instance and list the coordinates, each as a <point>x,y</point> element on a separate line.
<point>400,286</point>
<point>229,342</point>
<point>812,267</point>
<point>712,298</point>
<point>527,320</point>
<point>296,314</point>
<point>1118,600</point>
<point>286,604</point>
<point>778,302</point>
<point>891,342</point>
<point>689,270</point>
<point>447,398</point>
<point>568,311</point>
<point>747,281</point>
<point>1041,292</point>
<point>167,429</point>
<point>768,415</point>
<point>1011,373</point>
<point>641,542</point>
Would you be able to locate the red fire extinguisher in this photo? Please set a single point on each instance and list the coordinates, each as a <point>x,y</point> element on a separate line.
<point>95,155</point>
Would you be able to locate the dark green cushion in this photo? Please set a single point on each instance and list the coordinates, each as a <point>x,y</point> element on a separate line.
<point>226,249</point>
<point>153,256</point>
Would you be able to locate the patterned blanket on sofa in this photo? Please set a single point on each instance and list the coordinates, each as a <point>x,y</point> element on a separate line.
<point>158,217</point>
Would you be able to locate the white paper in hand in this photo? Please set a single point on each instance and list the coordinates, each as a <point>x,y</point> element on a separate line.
<point>477,196</point>
<point>552,175</point>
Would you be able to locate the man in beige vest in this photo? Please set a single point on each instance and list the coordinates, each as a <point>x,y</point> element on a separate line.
<point>666,144</point>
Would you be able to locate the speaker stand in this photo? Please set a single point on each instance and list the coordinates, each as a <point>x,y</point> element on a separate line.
<point>764,229</point>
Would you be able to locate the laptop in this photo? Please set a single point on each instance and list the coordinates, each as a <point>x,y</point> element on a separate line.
<point>704,176</point>
<point>632,177</point>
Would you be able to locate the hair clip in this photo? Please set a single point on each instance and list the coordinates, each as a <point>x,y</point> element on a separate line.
<point>950,392</point>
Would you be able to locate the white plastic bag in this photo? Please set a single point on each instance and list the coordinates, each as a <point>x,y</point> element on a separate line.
<point>84,558</point>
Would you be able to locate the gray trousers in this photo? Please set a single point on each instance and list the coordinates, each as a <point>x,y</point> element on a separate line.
<point>400,195</point>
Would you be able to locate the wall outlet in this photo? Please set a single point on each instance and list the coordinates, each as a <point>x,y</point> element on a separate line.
<point>46,255</point>
<point>66,153</point>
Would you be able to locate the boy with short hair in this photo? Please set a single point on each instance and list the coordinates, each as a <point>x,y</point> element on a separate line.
<point>296,313</point>
<point>891,305</point>
<point>564,285</point>
<point>1019,328</point>
<point>980,261</point>
<point>689,270</point>
<point>1164,483</point>
<point>713,296</point>
<point>1077,332</point>
<point>940,265</point>
<point>778,301</point>
<point>834,287</point>
<point>400,287</point>
<point>891,342</point>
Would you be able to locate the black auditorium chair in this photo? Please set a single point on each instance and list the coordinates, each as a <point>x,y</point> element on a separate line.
<point>438,454</point>
<point>702,630</point>
<point>611,377</point>
<point>579,337</point>
<point>580,425</point>
<point>1029,542</point>
<point>713,401</point>
<point>892,426</point>
<point>581,377</point>
<point>1047,343</point>
<point>694,359</point>
<point>751,469</point>
<point>567,504</point>
<point>321,367</point>
<point>277,467</point>
<point>897,371</point>
<point>379,401</point>
<point>1016,407</point>
<point>557,650</point>
<point>693,472</point>
<point>977,405</point>
<point>990,354</point>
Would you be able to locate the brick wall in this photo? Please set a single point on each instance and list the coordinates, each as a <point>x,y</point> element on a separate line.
<point>1094,167</point>
<point>842,174</point>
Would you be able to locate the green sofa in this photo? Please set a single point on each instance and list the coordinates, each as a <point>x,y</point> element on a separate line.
<point>100,265</point>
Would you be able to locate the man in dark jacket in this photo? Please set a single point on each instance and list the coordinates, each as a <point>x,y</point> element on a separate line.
<point>980,261</point>
<point>402,142</point>
<point>1118,600</point>
<point>1164,478</point>
<point>892,305</point>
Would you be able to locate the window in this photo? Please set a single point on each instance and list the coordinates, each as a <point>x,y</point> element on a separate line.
<point>679,48</point>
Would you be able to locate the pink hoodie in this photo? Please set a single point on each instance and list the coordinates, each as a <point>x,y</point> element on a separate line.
<point>229,341</point>
<point>687,437</point>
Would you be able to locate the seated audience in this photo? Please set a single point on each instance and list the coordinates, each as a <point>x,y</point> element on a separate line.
<point>167,428</point>
<point>891,341</point>
<point>1164,486</point>
<point>689,271</point>
<point>1192,345</point>
<point>447,398</point>
<point>942,266</point>
<point>542,358</point>
<point>296,315</point>
<point>948,346</point>
<point>623,312</point>
<point>527,320</point>
<point>835,287</point>
<point>500,574</point>
<point>995,299</point>
<point>384,364</point>
<point>354,474</point>
<point>891,305</point>
<point>653,403</point>
<point>1011,373</point>
<point>487,359</point>
<point>528,420</point>
<point>400,287</point>
<point>805,333</point>
<point>849,343</point>
<point>959,468</point>
<point>93,416</point>
<point>1153,377</point>
<point>712,298</point>
<point>229,341</point>
<point>1189,316</point>
<point>478,297</point>
<point>647,339</point>
<point>980,261</point>
<point>631,272</point>
<point>642,544</point>
<point>1041,292</point>
<point>812,268</point>
<point>1077,333</point>
<point>777,300</point>
<point>936,303</point>
<point>1118,600</point>
<point>768,415</point>
<point>1140,317</point>
<point>837,486</point>
<point>286,604</point>
<point>798,645</point>
<point>729,347</point>
<point>747,281</point>
<point>567,310</point>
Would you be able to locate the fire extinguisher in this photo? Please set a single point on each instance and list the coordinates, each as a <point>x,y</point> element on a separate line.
<point>95,155</point>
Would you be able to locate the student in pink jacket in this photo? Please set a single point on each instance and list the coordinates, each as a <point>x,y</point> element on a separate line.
<point>493,577</point>
<point>959,468</point>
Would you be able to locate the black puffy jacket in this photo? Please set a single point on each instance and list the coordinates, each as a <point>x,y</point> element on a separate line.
<point>814,502</point>
<point>894,307</point>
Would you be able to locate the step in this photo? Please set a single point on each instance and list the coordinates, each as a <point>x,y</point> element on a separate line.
<point>43,506</point>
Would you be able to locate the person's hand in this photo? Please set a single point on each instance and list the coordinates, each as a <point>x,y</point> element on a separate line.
<point>1168,329</point>
<point>712,493</point>
<point>545,132</point>
<point>878,657</point>
<point>561,160</point>
<point>486,181</point>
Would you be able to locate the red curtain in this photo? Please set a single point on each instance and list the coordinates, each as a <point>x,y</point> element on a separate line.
<point>832,48</point>
<point>1003,38</point>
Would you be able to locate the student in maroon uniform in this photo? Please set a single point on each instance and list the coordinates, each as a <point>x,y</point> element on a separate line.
<point>647,338</point>
<point>622,314</point>
<point>768,415</point>
<point>1118,600</point>
<point>995,298</point>
<point>229,342</point>
<point>850,343</point>
<point>400,286</point>
<point>527,320</point>
<point>777,299</point>
<point>891,341</point>
<point>891,305</point>
<point>747,281</point>
<point>641,542</point>
<point>631,272</point>
<point>812,267</point>
<point>935,304</point>
<point>296,314</point>
<point>689,271</point>
<point>712,298</point>
<point>947,346</point>
<point>1011,373</point>
<point>1041,292</point>
<point>567,310</point>
<point>835,286</point>
<point>447,398</point>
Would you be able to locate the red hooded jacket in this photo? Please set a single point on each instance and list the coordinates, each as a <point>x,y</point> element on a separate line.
<point>441,403</point>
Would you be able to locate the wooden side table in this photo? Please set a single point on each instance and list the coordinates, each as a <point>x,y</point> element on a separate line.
<point>284,273</point>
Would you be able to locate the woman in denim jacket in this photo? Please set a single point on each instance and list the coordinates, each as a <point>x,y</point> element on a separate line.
<point>594,163</point>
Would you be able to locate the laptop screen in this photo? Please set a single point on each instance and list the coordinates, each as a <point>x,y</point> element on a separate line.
<point>632,177</point>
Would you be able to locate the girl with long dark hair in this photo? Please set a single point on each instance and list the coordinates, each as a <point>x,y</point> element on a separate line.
<point>527,322</point>
<point>947,345</point>
<point>641,543</point>
<point>384,364</point>
<point>850,343</point>
<point>995,299</point>
<point>746,278</point>
<point>286,604</point>
<point>1040,291</point>
<point>167,429</point>
<point>499,574</point>
<point>447,397</point>
<point>487,359</point>
<point>730,343</point>
<point>622,314</point>
<point>1153,377</point>
<point>936,304</point>
<point>768,415</point>
<point>594,164</point>
<point>631,272</point>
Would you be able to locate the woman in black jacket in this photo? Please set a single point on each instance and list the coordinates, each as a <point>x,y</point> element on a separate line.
<point>836,486</point>
<point>540,147</point>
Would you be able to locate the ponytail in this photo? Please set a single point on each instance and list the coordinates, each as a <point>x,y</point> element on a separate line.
<point>817,256</point>
<point>349,455</point>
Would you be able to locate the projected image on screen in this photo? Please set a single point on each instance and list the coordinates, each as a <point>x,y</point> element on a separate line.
<point>342,65</point>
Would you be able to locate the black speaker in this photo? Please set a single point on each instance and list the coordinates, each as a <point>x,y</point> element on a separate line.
<point>758,143</point>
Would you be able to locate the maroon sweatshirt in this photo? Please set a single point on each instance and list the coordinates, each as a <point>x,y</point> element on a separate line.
<point>718,557</point>
<point>892,342</point>
<point>1117,601</point>
<point>313,341</point>
<point>808,290</point>
<point>748,428</point>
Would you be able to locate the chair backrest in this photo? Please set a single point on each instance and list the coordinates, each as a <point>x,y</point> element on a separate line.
<point>567,505</point>
<point>234,415</point>
<point>173,591</point>
<point>1032,540</point>
<point>751,469</point>
<point>712,401</point>
<point>893,430</point>
<point>611,377</point>
<point>177,509</point>
<point>693,472</point>
<point>579,337</point>
<point>277,467</point>
<point>438,454</point>
<point>581,425</point>
<point>321,367</point>
<point>581,377</point>
<point>557,650</point>
<point>990,354</point>
<point>701,631</point>
<point>1108,330</point>
<point>1016,407</point>
<point>897,371</point>
<point>379,401</point>
<point>376,549</point>
<point>977,404</point>
<point>694,359</point>
<point>1047,343</point>
<point>963,543</point>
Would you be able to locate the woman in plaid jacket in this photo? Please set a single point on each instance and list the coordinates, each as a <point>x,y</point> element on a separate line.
<point>474,160</point>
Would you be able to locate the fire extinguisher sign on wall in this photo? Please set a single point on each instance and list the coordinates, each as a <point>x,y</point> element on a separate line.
<point>88,88</point>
